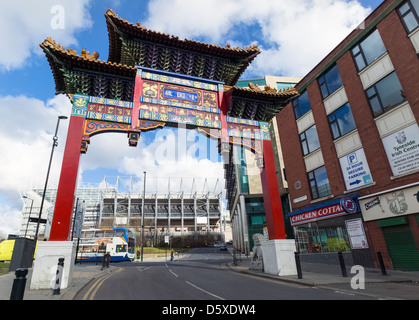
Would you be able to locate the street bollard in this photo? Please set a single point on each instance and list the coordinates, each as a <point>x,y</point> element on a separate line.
<point>298,264</point>
<point>19,284</point>
<point>381,262</point>
<point>342,264</point>
<point>58,276</point>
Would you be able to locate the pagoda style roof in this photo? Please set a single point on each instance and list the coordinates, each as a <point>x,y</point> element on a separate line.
<point>260,104</point>
<point>132,46</point>
<point>118,26</point>
<point>266,93</point>
<point>65,63</point>
<point>136,45</point>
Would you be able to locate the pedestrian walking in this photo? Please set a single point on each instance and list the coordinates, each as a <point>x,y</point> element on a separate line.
<point>106,260</point>
<point>172,253</point>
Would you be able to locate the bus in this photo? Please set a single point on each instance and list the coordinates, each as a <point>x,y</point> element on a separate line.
<point>95,243</point>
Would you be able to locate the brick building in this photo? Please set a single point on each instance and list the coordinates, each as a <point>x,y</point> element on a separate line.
<point>350,144</point>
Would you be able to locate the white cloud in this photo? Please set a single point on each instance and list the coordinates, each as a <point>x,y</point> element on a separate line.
<point>27,127</point>
<point>10,218</point>
<point>295,35</point>
<point>24,24</point>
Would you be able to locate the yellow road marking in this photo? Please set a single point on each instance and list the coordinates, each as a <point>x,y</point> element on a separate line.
<point>93,289</point>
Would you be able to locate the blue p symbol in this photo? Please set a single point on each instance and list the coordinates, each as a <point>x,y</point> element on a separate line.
<point>352,158</point>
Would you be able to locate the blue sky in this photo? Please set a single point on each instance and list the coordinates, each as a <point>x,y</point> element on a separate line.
<point>292,35</point>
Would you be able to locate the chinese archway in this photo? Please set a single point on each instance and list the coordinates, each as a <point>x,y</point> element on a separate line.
<point>152,80</point>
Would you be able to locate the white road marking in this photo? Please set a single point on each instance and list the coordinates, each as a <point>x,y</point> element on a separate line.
<point>173,273</point>
<point>205,291</point>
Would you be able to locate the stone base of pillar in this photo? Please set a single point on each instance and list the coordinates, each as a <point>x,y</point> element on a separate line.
<point>46,263</point>
<point>278,257</point>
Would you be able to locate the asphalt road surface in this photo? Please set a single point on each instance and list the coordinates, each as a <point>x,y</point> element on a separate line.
<point>200,276</point>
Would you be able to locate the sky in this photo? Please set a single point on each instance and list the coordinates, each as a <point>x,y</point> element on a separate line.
<point>292,35</point>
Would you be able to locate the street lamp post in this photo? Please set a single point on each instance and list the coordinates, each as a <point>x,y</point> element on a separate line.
<point>54,144</point>
<point>30,212</point>
<point>142,221</point>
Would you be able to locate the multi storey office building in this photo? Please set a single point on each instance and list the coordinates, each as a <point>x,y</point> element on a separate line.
<point>351,144</point>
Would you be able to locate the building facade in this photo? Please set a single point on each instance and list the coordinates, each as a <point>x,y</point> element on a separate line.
<point>351,144</point>
<point>244,192</point>
<point>173,213</point>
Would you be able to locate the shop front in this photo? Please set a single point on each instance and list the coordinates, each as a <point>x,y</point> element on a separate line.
<point>394,217</point>
<point>331,227</point>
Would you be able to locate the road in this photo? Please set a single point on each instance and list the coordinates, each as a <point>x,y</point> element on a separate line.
<point>200,276</point>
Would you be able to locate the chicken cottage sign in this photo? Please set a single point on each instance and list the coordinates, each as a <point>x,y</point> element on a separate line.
<point>333,209</point>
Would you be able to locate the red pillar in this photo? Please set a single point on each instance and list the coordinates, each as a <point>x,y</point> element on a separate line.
<point>60,227</point>
<point>271,196</point>
<point>138,92</point>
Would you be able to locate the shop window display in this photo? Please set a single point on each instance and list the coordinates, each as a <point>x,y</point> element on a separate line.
<point>322,236</point>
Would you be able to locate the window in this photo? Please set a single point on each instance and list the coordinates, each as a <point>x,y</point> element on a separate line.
<point>328,235</point>
<point>284,85</point>
<point>341,121</point>
<point>121,248</point>
<point>368,50</point>
<point>254,206</point>
<point>243,177</point>
<point>309,140</point>
<point>301,105</point>
<point>99,233</point>
<point>385,94</point>
<point>409,13</point>
<point>330,81</point>
<point>319,183</point>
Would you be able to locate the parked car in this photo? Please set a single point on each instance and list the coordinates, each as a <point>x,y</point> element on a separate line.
<point>217,244</point>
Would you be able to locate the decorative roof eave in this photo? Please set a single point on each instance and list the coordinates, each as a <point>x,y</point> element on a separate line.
<point>58,56</point>
<point>86,60</point>
<point>267,95</point>
<point>117,24</point>
<point>257,104</point>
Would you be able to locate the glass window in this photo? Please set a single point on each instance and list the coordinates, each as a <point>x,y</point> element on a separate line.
<point>409,13</point>
<point>341,121</point>
<point>368,50</point>
<point>319,183</point>
<point>254,205</point>
<point>99,233</point>
<point>307,239</point>
<point>385,94</point>
<point>329,235</point>
<point>330,81</point>
<point>301,105</point>
<point>309,140</point>
<point>89,234</point>
<point>284,85</point>
<point>109,233</point>
<point>121,248</point>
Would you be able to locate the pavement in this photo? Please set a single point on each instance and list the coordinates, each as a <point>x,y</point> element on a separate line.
<point>318,274</point>
<point>313,275</point>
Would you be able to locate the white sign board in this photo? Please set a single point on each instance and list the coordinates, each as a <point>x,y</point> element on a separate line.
<point>166,239</point>
<point>355,169</point>
<point>356,234</point>
<point>402,149</point>
<point>391,204</point>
